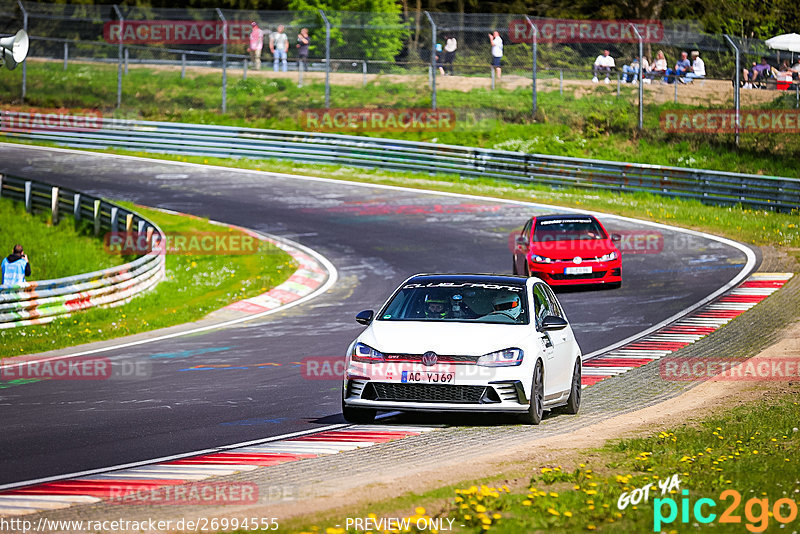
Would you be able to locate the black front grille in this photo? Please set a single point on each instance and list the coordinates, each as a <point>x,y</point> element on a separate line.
<point>587,276</point>
<point>383,391</point>
<point>441,358</point>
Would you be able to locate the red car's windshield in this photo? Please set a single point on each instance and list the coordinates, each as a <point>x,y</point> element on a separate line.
<point>568,229</point>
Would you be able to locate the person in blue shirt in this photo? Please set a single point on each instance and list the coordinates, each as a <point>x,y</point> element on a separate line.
<point>681,68</point>
<point>15,267</point>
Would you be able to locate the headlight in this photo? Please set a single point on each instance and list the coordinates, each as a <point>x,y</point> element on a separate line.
<point>608,257</point>
<point>541,259</point>
<point>501,358</point>
<point>365,353</point>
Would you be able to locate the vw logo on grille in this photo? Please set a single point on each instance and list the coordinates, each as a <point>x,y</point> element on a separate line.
<point>577,260</point>
<point>429,358</point>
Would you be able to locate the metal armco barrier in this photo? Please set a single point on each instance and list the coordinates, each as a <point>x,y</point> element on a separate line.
<point>713,187</point>
<point>44,301</point>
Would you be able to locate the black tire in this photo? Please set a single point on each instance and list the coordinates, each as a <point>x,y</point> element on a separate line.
<point>574,400</point>
<point>614,285</point>
<point>362,416</point>
<point>514,267</point>
<point>536,409</point>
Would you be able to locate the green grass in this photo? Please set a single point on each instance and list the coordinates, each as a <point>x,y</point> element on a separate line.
<point>596,125</point>
<point>77,251</point>
<point>195,286</point>
<point>753,449</point>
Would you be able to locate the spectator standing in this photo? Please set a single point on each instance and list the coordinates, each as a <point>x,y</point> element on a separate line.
<point>681,68</point>
<point>796,69</point>
<point>279,46</point>
<point>603,65</point>
<point>698,68</point>
<point>497,52</point>
<point>450,47</point>
<point>303,42</point>
<point>256,44</point>
<point>15,267</point>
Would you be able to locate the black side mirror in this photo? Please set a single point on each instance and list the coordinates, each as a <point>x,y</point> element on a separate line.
<point>552,322</point>
<point>365,317</point>
<point>616,237</point>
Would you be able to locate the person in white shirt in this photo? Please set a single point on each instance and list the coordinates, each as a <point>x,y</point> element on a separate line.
<point>603,64</point>
<point>497,51</point>
<point>698,68</point>
<point>450,47</point>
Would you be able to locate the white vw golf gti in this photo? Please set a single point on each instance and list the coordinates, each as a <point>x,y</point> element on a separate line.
<point>464,343</point>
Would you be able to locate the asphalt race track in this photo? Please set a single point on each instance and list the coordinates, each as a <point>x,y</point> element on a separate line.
<point>374,236</point>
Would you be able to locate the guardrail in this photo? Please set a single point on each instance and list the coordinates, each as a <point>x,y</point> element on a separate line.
<point>43,301</point>
<point>715,187</point>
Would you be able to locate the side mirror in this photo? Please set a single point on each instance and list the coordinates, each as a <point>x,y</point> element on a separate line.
<point>552,322</point>
<point>365,317</point>
<point>616,237</point>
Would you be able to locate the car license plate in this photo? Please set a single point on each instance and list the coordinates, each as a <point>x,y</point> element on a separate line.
<point>429,377</point>
<point>577,270</point>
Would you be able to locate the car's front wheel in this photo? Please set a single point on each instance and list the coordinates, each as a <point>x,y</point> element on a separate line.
<point>536,409</point>
<point>358,415</point>
<point>574,400</point>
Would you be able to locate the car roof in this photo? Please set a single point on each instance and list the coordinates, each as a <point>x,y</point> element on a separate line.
<point>466,277</point>
<point>562,216</point>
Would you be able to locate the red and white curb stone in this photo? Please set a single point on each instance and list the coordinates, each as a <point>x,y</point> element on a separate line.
<point>684,331</point>
<point>117,484</point>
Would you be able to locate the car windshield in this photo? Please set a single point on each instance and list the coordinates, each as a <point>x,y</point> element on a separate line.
<point>458,301</point>
<point>568,229</point>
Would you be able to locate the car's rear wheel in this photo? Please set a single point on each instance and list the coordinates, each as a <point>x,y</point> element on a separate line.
<point>536,409</point>
<point>358,415</point>
<point>514,269</point>
<point>574,400</point>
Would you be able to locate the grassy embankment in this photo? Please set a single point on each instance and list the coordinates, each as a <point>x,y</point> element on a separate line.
<point>585,122</point>
<point>751,452</point>
<point>195,284</point>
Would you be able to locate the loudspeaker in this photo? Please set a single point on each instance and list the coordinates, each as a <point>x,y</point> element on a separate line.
<point>14,49</point>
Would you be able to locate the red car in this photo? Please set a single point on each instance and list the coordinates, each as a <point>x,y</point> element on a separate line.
<point>568,250</point>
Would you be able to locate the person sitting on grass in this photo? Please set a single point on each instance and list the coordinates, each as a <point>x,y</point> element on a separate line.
<point>681,68</point>
<point>659,67</point>
<point>759,74</point>
<point>630,73</point>
<point>698,68</point>
<point>603,65</point>
<point>15,267</point>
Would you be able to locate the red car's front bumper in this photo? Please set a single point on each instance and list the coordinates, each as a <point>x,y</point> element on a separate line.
<point>555,274</point>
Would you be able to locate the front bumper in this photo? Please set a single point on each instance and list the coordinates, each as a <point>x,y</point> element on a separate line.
<point>491,396</point>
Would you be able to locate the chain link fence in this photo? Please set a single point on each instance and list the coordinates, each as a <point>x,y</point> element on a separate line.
<point>428,51</point>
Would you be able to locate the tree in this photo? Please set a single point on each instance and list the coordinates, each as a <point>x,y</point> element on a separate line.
<point>366,29</point>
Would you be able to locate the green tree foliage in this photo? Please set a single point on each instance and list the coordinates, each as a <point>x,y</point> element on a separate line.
<point>382,39</point>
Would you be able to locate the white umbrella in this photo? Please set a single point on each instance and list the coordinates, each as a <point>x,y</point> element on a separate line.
<point>787,41</point>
